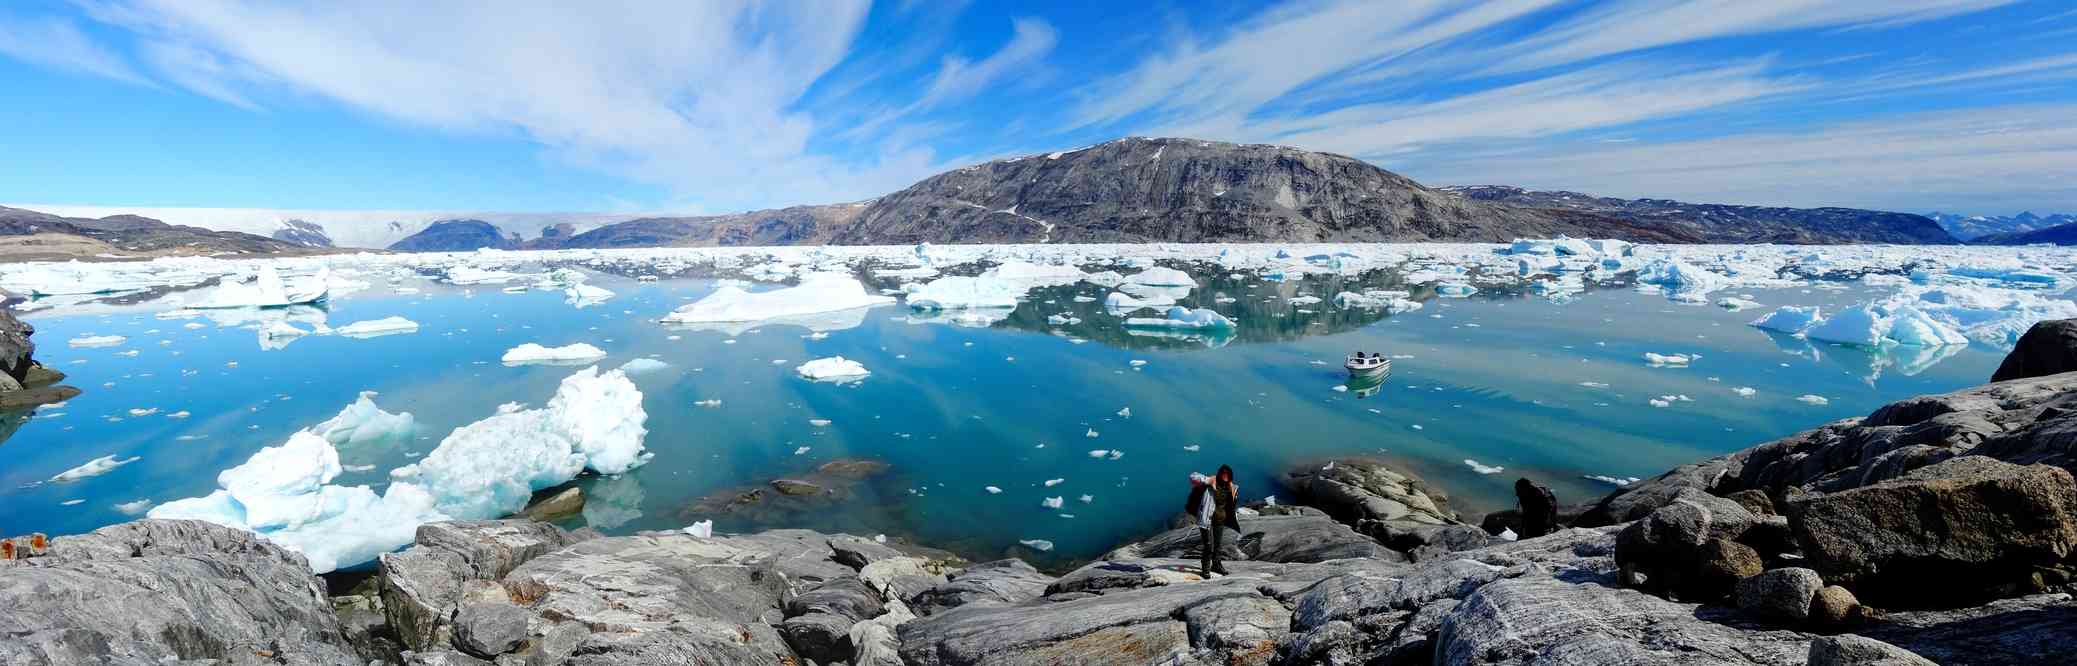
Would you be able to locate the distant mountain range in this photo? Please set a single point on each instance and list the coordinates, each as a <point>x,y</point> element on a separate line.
<point>31,235</point>
<point>1164,190</point>
<point>1972,227</point>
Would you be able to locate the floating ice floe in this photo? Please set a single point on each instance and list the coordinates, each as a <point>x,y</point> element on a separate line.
<point>532,354</point>
<point>834,369</point>
<point>377,327</point>
<point>1734,303</point>
<point>960,292</point>
<point>1182,317</point>
<point>1611,480</point>
<point>703,529</point>
<point>1745,391</point>
<point>134,508</point>
<point>1040,545</point>
<point>992,490</point>
<point>1053,502</point>
<point>93,468</point>
<point>817,293</point>
<point>1481,468</point>
<point>1813,399</point>
<point>485,469</point>
<point>91,341</point>
<point>1657,359</point>
<point>643,366</point>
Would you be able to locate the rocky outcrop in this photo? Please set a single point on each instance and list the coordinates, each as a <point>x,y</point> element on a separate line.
<point>128,235</point>
<point>2048,348</point>
<point>1280,539</point>
<point>156,591</point>
<point>1396,509</point>
<point>1957,533</point>
<point>1729,223</point>
<point>304,233</point>
<point>17,351</point>
<point>795,225</point>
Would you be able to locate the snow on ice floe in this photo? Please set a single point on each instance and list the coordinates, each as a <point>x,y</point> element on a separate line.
<point>485,469</point>
<point>377,327</point>
<point>531,353</point>
<point>834,369</point>
<point>91,341</point>
<point>93,468</point>
<point>817,293</point>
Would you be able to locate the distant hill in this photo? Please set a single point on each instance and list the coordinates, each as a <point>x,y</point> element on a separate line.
<point>457,236</point>
<point>2063,234</point>
<point>798,225</point>
<point>29,235</point>
<point>1971,227</point>
<point>306,234</point>
<point>1723,223</point>
<point>1185,190</point>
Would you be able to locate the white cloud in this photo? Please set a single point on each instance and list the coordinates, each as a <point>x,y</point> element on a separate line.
<point>1631,25</point>
<point>701,98</point>
<point>2000,159</point>
<point>57,43</point>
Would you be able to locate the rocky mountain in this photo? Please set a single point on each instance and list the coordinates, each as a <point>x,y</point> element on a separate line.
<point>457,236</point>
<point>307,234</point>
<point>798,225</point>
<point>28,235</point>
<point>1722,223</point>
<point>2062,234</point>
<point>1185,190</point>
<point>1971,227</point>
<point>558,231</point>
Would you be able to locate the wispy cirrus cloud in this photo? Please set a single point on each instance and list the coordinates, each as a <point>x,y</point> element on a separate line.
<point>60,44</point>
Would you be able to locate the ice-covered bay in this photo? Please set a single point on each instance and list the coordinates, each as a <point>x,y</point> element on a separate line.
<point>1548,382</point>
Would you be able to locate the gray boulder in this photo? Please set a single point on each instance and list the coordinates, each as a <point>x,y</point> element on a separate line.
<point>1851,650</point>
<point>155,591</point>
<point>1781,595</point>
<point>2050,347</point>
<point>988,583</point>
<point>17,351</point>
<point>1957,533</point>
<point>1547,621</point>
<point>488,629</point>
<point>1637,500</point>
<point>1353,489</point>
<point>668,597</point>
<point>1667,546</point>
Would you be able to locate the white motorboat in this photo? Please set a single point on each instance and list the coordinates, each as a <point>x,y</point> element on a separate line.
<point>1363,365</point>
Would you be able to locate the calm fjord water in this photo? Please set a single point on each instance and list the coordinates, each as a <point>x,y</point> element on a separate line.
<point>1553,391</point>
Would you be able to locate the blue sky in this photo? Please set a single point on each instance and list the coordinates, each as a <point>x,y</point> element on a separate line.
<point>712,106</point>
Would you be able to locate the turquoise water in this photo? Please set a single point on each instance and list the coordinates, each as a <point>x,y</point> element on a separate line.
<point>1496,378</point>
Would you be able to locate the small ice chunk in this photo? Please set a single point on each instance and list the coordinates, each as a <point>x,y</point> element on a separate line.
<point>992,490</point>
<point>1745,391</point>
<point>143,411</point>
<point>1611,480</point>
<point>643,366</point>
<point>1053,502</point>
<point>134,508</point>
<point>1053,482</point>
<point>1480,468</point>
<point>703,529</point>
<point>819,423</point>
<point>1126,412</point>
<point>1507,534</point>
<point>1657,359</point>
<point>1091,434</point>
<point>1789,319</point>
<point>96,341</point>
<point>1040,545</point>
<point>1813,399</point>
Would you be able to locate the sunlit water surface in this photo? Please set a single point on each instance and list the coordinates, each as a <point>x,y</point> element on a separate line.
<point>1553,391</point>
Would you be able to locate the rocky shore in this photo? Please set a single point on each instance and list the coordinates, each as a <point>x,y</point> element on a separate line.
<point>1939,529</point>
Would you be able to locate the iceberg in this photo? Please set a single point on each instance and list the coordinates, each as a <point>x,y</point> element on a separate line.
<point>1162,276</point>
<point>816,293</point>
<point>584,295</point>
<point>643,366</point>
<point>1857,325</point>
<point>91,341</point>
<point>267,289</point>
<point>531,353</point>
<point>1788,319</point>
<point>377,327</point>
<point>835,369</point>
<point>482,470</point>
<point>363,424</point>
<point>93,468</point>
<point>1680,279</point>
<point>1182,317</point>
<point>959,292</point>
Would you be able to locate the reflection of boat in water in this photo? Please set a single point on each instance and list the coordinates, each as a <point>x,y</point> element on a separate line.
<point>1361,365</point>
<point>1368,384</point>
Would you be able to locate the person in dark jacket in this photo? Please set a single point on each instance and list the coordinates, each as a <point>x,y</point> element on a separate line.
<point>1539,509</point>
<point>1212,502</point>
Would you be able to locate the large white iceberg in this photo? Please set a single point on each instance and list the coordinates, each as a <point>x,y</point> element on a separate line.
<point>363,424</point>
<point>267,289</point>
<point>1789,319</point>
<point>817,292</point>
<point>486,469</point>
<point>584,295</point>
<point>1162,276</point>
<point>958,292</point>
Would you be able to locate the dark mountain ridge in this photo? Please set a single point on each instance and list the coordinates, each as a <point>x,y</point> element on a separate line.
<point>1727,223</point>
<point>29,234</point>
<point>458,236</point>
